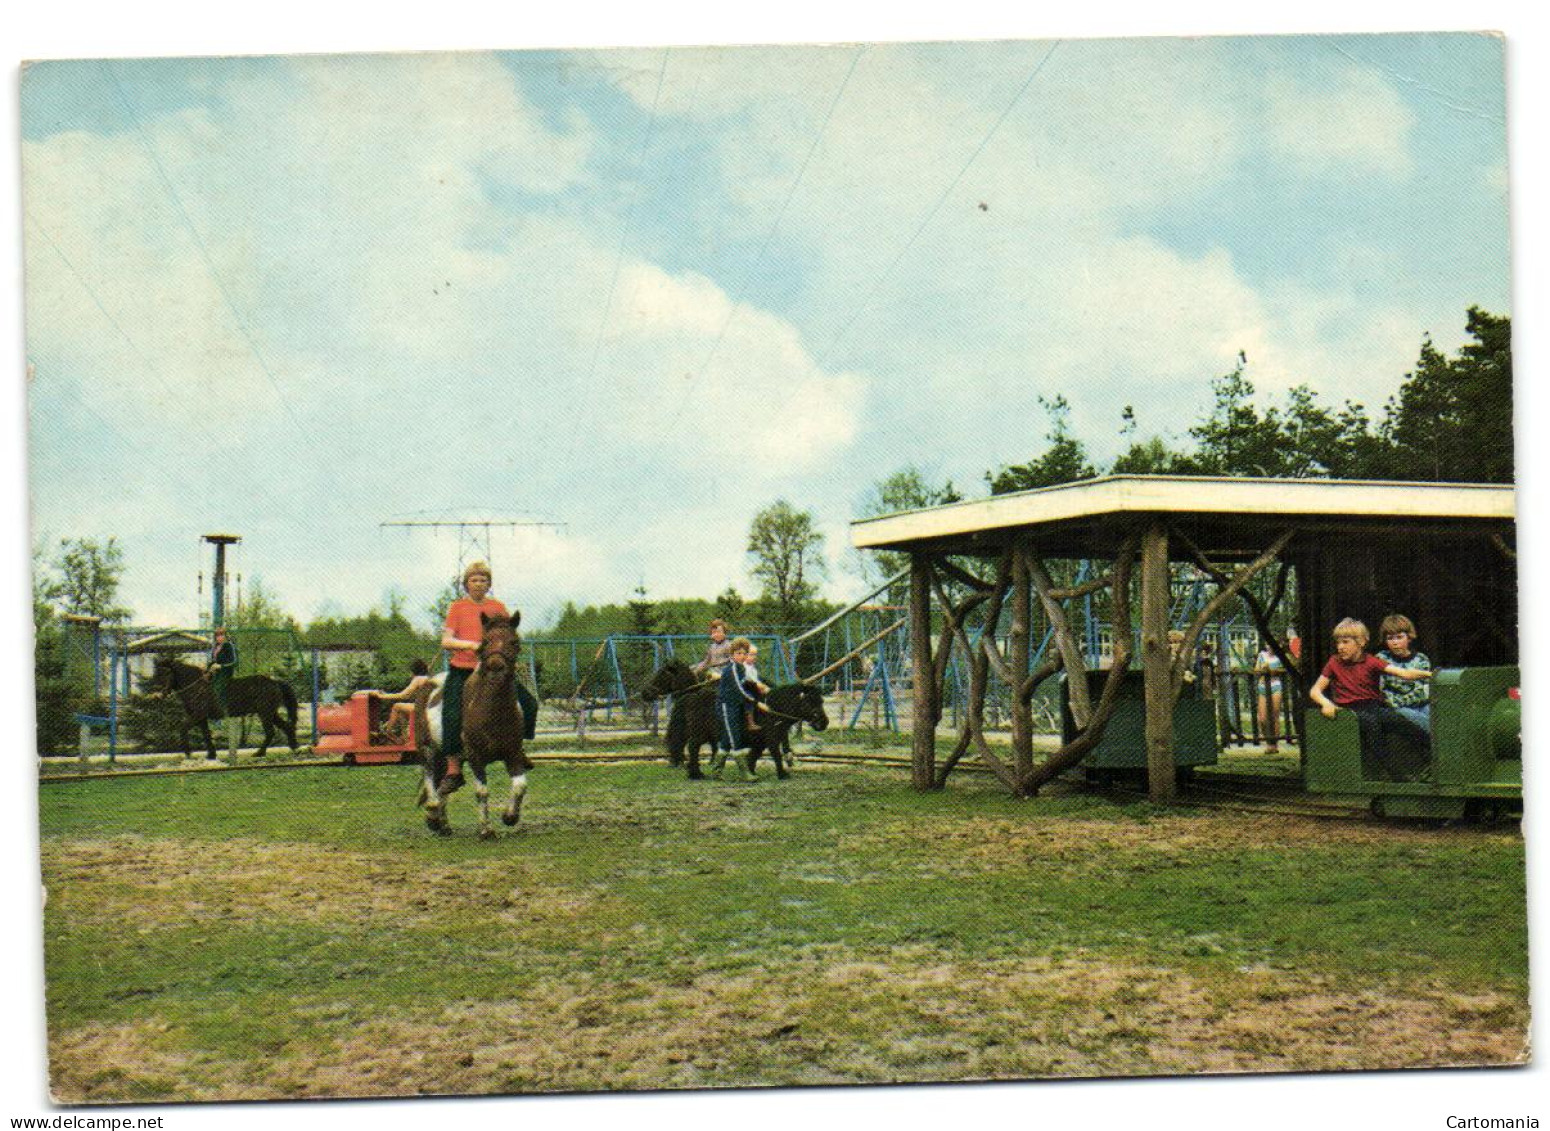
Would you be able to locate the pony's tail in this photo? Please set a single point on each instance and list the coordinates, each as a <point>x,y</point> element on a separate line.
<point>288,699</point>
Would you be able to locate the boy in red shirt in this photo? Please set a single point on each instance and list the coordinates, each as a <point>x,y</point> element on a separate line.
<point>1355,682</point>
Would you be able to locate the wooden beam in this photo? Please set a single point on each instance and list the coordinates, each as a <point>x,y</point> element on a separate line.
<point>923,692</point>
<point>1021,659</point>
<point>963,576</point>
<point>1065,642</point>
<point>1156,664</point>
<point>1078,748</point>
<point>854,652</point>
<point>850,608</point>
<point>1180,663</point>
<point>974,722</point>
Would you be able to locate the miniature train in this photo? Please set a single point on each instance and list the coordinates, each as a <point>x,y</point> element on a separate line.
<point>352,731</point>
<point>1474,767</point>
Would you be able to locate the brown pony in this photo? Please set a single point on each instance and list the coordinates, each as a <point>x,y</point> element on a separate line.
<point>492,730</point>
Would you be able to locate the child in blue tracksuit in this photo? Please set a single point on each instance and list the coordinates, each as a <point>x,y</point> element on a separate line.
<point>733,697</point>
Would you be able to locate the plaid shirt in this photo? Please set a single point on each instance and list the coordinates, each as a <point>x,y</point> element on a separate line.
<point>1406,692</point>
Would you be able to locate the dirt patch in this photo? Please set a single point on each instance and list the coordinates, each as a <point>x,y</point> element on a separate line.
<point>971,842</point>
<point>830,1016</point>
<point>143,882</point>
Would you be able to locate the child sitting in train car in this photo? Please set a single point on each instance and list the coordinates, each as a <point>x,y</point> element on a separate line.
<point>396,728</point>
<point>1411,699</point>
<point>1354,680</point>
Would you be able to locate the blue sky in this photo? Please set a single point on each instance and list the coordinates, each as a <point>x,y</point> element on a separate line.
<point>646,292</point>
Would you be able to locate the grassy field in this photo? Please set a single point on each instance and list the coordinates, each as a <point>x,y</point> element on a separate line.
<point>299,933</point>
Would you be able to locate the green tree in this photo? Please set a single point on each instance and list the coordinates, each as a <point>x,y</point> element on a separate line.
<point>87,577</point>
<point>1150,456</point>
<point>643,613</point>
<point>787,555</point>
<point>259,608</point>
<point>904,490</point>
<point>1064,461</point>
<point>437,610</point>
<point>1452,418</point>
<point>730,605</point>
<point>1235,439</point>
<point>57,697</point>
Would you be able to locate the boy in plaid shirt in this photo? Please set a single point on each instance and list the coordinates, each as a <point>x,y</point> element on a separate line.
<point>1412,700</point>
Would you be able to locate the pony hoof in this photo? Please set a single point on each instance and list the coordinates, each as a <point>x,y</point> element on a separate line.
<point>434,823</point>
<point>487,833</point>
<point>696,777</point>
<point>783,775</point>
<point>509,819</point>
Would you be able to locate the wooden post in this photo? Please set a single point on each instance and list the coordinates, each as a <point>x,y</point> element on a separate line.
<point>1021,660</point>
<point>922,692</point>
<point>1156,664</point>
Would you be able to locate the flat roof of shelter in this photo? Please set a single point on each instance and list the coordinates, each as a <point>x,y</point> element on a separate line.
<point>1080,515</point>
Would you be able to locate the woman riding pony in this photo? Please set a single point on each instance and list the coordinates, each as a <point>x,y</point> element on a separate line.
<point>462,637</point>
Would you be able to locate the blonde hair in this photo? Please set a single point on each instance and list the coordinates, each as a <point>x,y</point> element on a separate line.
<point>477,568</point>
<point>741,644</point>
<point>1351,629</point>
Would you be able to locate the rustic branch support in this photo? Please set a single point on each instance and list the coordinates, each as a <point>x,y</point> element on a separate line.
<point>974,717</point>
<point>1180,663</point>
<point>923,692</point>
<point>1079,747</point>
<point>1262,614</point>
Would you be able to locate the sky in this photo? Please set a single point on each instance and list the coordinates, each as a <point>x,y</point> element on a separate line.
<point>646,292</point>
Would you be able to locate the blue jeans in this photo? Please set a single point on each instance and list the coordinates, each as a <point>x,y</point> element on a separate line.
<point>1421,715</point>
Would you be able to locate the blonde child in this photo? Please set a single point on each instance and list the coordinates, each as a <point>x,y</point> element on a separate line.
<point>1354,681</point>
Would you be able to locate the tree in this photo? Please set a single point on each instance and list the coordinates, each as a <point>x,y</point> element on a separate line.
<point>87,577</point>
<point>259,608</point>
<point>452,591</point>
<point>643,613</point>
<point>904,490</point>
<point>730,605</point>
<point>1235,439</point>
<point>1150,456</point>
<point>57,697</point>
<point>1452,418</point>
<point>787,554</point>
<point>1064,461</point>
<point>1153,457</point>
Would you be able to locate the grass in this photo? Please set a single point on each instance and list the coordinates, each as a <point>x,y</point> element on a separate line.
<point>299,932</point>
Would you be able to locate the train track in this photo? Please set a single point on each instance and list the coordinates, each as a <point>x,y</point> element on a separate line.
<point>1266,796</point>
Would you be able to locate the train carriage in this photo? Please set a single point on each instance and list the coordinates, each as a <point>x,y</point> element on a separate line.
<point>1474,767</point>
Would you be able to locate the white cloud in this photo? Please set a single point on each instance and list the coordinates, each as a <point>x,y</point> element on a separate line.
<point>1355,125</point>
<point>431,344</point>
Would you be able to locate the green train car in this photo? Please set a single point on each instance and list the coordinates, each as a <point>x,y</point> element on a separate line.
<point>1475,766</point>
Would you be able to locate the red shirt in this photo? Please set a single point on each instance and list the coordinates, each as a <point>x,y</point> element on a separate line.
<point>463,622</point>
<point>1359,682</point>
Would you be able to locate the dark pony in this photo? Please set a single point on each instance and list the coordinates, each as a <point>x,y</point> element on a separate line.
<point>789,704</point>
<point>674,678</point>
<point>493,726</point>
<point>692,723</point>
<point>259,695</point>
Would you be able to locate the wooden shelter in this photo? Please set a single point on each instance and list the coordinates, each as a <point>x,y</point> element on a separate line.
<point>1440,552</point>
